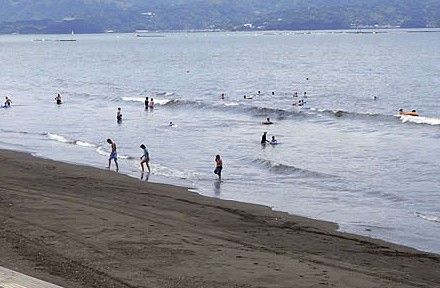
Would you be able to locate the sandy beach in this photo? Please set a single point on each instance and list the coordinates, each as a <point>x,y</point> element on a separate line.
<point>77,226</point>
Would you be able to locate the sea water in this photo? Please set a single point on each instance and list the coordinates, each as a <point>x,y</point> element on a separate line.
<point>345,156</point>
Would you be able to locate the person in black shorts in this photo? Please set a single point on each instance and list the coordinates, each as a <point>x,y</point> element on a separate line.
<point>218,166</point>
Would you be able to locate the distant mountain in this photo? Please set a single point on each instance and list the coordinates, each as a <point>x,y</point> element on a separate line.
<point>94,16</point>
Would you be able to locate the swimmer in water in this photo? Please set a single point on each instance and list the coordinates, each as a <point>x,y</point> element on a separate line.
<point>273,93</point>
<point>222,96</point>
<point>171,124</point>
<point>267,122</point>
<point>119,115</point>
<point>151,105</point>
<point>58,99</point>
<point>305,95</point>
<point>8,102</point>
<point>218,167</point>
<point>145,158</point>
<point>273,141</point>
<point>295,94</point>
<point>147,102</point>
<point>259,92</point>
<point>264,139</point>
<point>113,155</point>
<point>412,113</point>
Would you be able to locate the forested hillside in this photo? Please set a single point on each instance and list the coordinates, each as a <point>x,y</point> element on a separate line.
<point>93,16</point>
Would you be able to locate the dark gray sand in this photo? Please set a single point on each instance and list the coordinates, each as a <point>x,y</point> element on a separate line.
<point>77,226</point>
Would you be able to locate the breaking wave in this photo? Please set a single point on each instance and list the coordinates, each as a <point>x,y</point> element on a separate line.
<point>280,168</point>
<point>428,217</point>
<point>99,149</point>
<point>419,120</point>
<point>142,99</point>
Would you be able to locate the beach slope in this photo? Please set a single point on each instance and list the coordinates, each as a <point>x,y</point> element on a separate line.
<point>77,226</point>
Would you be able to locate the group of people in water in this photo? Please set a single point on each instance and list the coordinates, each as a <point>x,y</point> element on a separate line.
<point>264,140</point>
<point>297,102</point>
<point>149,104</point>
<point>8,102</point>
<point>408,113</point>
<point>145,158</point>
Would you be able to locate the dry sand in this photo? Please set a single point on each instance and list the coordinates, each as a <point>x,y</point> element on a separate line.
<point>78,226</point>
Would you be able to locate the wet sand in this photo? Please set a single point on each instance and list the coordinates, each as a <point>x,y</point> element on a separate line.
<point>78,226</point>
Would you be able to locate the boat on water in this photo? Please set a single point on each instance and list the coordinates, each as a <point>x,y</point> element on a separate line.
<point>68,40</point>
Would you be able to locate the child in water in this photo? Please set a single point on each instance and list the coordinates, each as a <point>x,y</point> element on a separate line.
<point>151,105</point>
<point>145,158</point>
<point>267,122</point>
<point>218,166</point>
<point>273,141</point>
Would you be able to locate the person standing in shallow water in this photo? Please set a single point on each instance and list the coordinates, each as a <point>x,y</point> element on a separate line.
<point>146,103</point>
<point>264,139</point>
<point>119,115</point>
<point>58,99</point>
<point>145,159</point>
<point>218,167</point>
<point>113,155</point>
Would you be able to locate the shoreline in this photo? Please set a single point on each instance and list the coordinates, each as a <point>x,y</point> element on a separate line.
<point>348,30</point>
<point>79,226</point>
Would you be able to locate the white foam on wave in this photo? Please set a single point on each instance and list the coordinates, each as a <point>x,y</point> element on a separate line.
<point>419,120</point>
<point>102,151</point>
<point>431,218</point>
<point>62,139</point>
<point>84,144</point>
<point>58,138</point>
<point>156,168</point>
<point>142,99</point>
<point>161,101</point>
<point>167,172</point>
<point>231,103</point>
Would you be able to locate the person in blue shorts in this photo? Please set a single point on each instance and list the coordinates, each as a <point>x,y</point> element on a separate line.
<point>113,155</point>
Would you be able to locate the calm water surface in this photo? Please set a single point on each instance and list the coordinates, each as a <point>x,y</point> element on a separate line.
<point>372,172</point>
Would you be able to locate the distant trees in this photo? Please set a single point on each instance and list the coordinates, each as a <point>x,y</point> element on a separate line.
<point>91,16</point>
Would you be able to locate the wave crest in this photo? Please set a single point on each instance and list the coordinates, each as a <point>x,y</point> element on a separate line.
<point>428,217</point>
<point>142,99</point>
<point>280,168</point>
<point>419,120</point>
